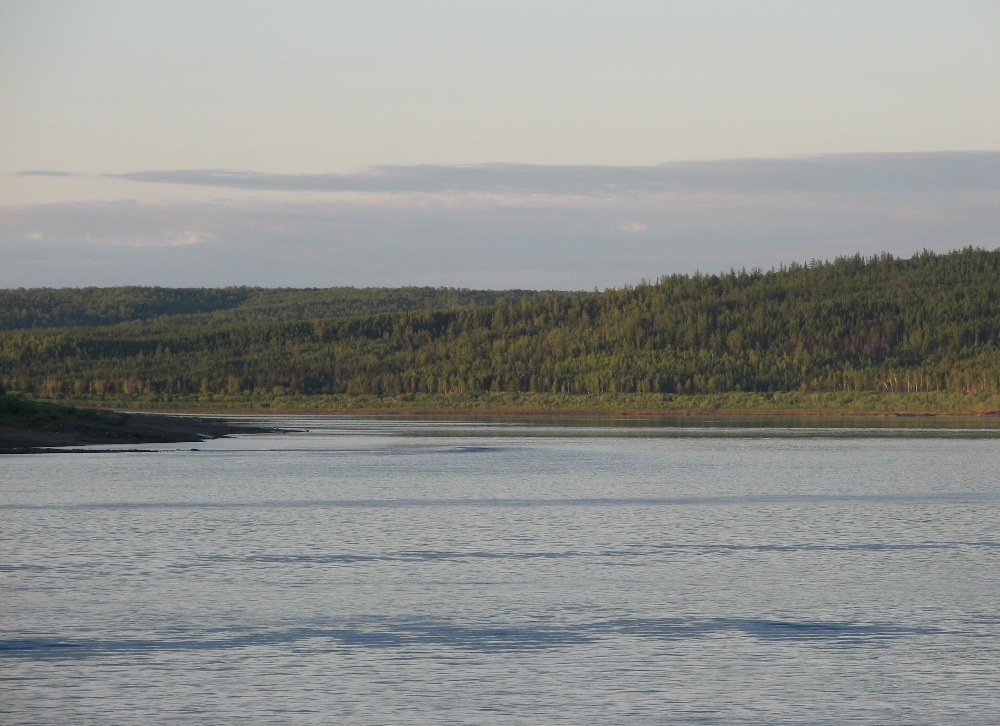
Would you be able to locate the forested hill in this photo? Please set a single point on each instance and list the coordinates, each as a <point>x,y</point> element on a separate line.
<point>931,322</point>
<point>91,306</point>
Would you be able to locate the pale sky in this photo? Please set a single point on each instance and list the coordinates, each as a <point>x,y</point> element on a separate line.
<point>486,144</point>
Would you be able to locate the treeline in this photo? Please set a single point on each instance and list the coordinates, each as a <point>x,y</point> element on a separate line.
<point>928,323</point>
<point>93,306</point>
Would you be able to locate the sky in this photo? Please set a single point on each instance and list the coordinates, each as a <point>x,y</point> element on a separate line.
<point>544,144</point>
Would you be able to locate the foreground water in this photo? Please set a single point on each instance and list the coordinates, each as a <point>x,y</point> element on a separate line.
<point>374,571</point>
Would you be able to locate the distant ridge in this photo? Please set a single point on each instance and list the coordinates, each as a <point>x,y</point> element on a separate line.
<point>927,323</point>
<point>46,307</point>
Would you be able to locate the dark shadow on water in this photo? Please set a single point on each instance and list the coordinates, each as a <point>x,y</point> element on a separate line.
<point>419,633</point>
<point>624,552</point>
<point>820,547</point>
<point>436,450</point>
<point>827,632</point>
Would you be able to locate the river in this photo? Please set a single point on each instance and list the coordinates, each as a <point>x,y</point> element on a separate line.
<point>366,570</point>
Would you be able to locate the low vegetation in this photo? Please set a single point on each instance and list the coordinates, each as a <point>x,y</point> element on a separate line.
<point>18,413</point>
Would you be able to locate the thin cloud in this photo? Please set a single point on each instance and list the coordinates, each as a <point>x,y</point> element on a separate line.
<point>46,172</point>
<point>151,239</point>
<point>191,238</point>
<point>493,227</point>
<point>839,174</point>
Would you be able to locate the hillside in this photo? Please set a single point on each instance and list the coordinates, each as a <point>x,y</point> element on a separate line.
<point>927,323</point>
<point>95,306</point>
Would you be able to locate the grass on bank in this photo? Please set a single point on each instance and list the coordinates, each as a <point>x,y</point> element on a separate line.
<point>793,402</point>
<point>20,413</point>
<point>35,427</point>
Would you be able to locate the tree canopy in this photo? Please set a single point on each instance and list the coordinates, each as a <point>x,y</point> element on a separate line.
<point>930,322</point>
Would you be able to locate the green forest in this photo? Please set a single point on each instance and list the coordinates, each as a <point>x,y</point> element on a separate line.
<point>929,323</point>
<point>92,306</point>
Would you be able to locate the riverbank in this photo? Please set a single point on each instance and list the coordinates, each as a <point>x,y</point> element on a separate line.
<point>28,427</point>
<point>788,403</point>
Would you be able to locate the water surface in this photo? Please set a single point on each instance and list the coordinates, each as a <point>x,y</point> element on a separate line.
<point>368,570</point>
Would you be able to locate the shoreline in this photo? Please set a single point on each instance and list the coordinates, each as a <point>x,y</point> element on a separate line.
<point>47,425</point>
<point>780,403</point>
<point>133,428</point>
<point>583,413</point>
<point>188,427</point>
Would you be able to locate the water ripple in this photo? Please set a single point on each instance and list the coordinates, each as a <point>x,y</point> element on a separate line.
<point>761,499</point>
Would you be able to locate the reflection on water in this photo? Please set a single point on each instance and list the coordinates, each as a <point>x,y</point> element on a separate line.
<point>373,570</point>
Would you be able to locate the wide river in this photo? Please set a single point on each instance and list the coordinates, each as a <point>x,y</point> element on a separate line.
<point>373,571</point>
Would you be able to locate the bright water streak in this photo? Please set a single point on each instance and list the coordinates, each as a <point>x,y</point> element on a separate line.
<point>371,571</point>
